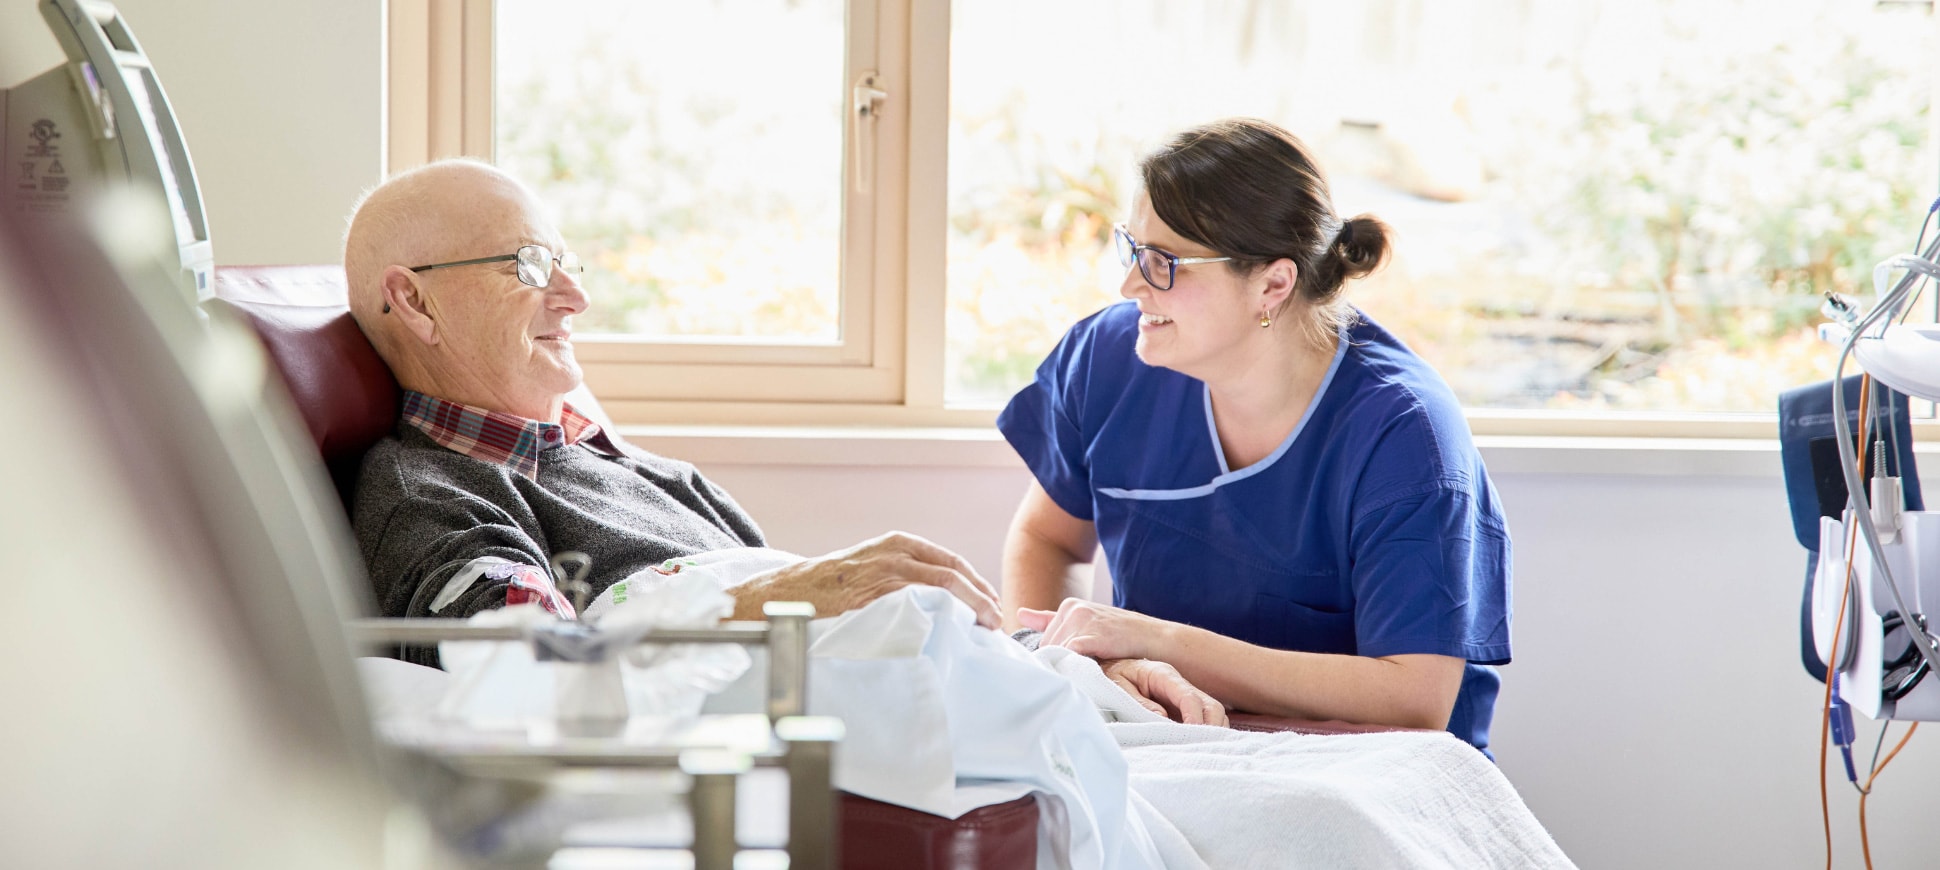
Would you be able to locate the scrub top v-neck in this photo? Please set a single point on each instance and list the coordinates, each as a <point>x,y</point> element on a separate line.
<point>1372,529</point>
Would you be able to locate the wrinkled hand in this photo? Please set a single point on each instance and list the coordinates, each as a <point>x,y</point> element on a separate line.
<point>1159,688</point>
<point>847,579</point>
<point>1100,631</point>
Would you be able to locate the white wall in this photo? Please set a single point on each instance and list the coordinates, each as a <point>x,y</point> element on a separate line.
<point>1656,714</point>
<point>281,103</point>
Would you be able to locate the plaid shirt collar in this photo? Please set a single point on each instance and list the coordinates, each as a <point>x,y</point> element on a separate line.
<point>499,438</point>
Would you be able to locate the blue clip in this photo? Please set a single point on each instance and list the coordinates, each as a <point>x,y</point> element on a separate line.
<point>1842,729</point>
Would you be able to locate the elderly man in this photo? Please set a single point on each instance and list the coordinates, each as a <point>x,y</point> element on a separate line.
<point>467,291</point>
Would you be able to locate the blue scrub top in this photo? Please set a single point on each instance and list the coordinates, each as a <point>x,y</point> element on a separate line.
<point>1372,530</point>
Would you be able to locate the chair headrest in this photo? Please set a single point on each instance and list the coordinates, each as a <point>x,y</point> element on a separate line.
<point>344,391</point>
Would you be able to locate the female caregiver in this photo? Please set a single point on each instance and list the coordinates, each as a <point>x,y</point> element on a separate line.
<point>1293,512</point>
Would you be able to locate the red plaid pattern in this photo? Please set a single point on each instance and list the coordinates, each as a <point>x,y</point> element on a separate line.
<point>498,438</point>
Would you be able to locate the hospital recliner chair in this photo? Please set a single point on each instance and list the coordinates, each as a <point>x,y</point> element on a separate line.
<point>348,400</point>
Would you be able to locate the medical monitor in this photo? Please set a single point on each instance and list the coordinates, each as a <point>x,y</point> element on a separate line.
<point>101,119</point>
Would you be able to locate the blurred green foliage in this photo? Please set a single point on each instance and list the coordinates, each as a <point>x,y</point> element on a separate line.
<point>1651,225</point>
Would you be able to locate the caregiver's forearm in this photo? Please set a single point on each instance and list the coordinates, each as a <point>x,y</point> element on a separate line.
<point>1405,691</point>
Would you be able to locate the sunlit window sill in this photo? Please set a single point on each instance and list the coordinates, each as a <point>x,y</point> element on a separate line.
<point>984,448</point>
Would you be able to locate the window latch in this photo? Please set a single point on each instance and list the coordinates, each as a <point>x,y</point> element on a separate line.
<point>867,107</point>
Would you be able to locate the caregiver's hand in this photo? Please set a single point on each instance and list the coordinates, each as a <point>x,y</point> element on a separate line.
<point>1098,630</point>
<point>1159,688</point>
<point>847,579</point>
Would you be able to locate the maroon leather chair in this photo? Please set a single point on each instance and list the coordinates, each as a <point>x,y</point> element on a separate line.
<point>349,400</point>
<point>345,393</point>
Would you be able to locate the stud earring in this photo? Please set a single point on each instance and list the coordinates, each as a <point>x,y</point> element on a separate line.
<point>387,308</point>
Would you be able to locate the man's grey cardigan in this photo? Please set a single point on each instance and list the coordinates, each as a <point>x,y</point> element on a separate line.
<point>423,512</point>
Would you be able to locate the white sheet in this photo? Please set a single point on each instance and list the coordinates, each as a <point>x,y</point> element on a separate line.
<point>1339,801</point>
<point>1400,799</point>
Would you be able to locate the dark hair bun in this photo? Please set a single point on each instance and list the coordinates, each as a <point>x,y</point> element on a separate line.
<point>1361,246</point>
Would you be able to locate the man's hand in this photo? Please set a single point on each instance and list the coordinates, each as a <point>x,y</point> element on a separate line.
<point>1159,688</point>
<point>847,579</point>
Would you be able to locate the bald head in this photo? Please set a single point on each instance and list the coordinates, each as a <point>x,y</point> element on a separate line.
<point>425,215</point>
<point>475,333</point>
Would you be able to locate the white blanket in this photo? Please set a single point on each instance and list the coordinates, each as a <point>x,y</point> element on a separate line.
<point>1399,799</point>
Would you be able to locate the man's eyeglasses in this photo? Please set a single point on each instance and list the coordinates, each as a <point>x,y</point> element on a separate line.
<point>1158,267</point>
<point>535,264</point>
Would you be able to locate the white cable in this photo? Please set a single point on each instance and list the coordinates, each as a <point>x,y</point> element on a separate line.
<point>1923,639</point>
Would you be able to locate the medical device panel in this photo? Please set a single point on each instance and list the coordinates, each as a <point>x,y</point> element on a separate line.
<point>102,119</point>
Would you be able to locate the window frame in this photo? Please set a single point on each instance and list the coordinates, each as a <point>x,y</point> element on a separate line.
<point>888,369</point>
<point>440,103</point>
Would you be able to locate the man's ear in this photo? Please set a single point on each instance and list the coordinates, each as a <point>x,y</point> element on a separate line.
<point>405,299</point>
<point>1279,278</point>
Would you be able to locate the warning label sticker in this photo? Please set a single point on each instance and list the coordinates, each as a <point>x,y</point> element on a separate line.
<point>44,134</point>
<point>42,181</point>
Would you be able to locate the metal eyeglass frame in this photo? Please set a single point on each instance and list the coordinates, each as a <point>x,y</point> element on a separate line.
<point>567,261</point>
<point>1128,253</point>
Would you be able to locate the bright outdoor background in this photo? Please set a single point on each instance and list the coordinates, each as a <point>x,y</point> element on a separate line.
<point>1630,204</point>
<point>692,151</point>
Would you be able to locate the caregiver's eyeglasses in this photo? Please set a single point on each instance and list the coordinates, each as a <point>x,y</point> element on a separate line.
<point>1158,267</point>
<point>535,264</point>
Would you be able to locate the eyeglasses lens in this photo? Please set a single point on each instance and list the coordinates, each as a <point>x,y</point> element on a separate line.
<point>535,265</point>
<point>1156,268</point>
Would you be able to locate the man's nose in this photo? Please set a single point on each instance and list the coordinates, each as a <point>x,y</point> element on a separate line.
<point>566,294</point>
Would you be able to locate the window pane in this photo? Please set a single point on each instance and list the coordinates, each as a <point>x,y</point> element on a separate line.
<point>693,153</point>
<point>1626,204</point>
